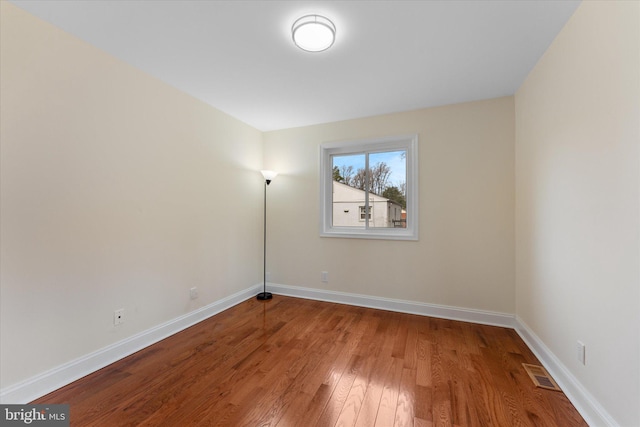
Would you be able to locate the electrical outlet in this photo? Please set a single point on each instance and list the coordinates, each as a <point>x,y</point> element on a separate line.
<point>118,317</point>
<point>581,352</point>
<point>324,276</point>
<point>193,293</point>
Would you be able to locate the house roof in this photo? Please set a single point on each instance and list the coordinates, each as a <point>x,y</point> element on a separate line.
<point>351,194</point>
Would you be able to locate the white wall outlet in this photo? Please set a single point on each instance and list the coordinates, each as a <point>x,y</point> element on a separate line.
<point>193,293</point>
<point>118,317</point>
<point>324,276</point>
<point>581,352</point>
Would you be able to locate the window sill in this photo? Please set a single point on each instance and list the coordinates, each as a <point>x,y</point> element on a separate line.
<point>384,234</point>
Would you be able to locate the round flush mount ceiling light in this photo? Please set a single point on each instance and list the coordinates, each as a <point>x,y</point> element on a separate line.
<point>313,33</point>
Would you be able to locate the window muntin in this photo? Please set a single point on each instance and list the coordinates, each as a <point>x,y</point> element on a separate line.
<point>374,176</point>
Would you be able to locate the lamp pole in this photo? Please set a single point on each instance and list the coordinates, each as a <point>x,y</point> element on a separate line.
<point>264,295</point>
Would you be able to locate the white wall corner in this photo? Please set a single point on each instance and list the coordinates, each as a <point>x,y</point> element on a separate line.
<point>53,379</point>
<point>587,405</point>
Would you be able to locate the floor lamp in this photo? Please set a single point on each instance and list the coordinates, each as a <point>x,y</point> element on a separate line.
<point>264,295</point>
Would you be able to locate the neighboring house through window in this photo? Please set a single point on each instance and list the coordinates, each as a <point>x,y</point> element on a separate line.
<point>369,189</point>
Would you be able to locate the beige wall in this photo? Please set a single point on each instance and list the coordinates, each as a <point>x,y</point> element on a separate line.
<point>465,253</point>
<point>118,191</point>
<point>577,216</point>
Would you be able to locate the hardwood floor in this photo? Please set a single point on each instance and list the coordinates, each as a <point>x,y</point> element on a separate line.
<point>296,362</point>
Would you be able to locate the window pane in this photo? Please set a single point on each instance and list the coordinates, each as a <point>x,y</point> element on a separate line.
<point>348,197</point>
<point>369,188</point>
<point>388,183</point>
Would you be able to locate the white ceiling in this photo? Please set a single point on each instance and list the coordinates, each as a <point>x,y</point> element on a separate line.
<point>389,56</point>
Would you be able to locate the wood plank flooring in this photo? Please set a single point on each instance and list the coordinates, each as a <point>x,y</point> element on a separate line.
<point>302,363</point>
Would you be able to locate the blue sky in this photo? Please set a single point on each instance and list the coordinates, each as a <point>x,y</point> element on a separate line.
<point>394,159</point>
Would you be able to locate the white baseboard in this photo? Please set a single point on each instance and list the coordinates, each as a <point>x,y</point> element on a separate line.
<point>590,409</point>
<point>401,306</point>
<point>39,385</point>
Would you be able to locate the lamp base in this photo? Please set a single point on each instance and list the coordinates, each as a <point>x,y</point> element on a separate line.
<point>262,296</point>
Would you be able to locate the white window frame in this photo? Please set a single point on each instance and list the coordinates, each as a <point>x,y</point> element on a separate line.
<point>363,214</point>
<point>408,143</point>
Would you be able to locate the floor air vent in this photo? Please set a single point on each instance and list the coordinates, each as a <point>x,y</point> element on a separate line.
<point>540,377</point>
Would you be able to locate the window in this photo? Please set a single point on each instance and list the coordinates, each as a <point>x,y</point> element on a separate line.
<point>364,209</point>
<point>369,189</point>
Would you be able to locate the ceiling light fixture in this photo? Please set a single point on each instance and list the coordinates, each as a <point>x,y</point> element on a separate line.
<point>313,33</point>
